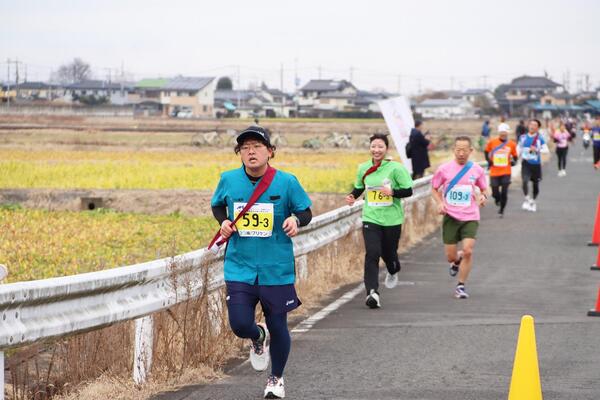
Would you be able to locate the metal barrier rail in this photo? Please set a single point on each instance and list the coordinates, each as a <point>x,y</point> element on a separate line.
<point>42,310</point>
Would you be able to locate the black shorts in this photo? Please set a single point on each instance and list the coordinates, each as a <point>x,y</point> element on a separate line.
<point>500,180</point>
<point>531,172</point>
<point>274,299</point>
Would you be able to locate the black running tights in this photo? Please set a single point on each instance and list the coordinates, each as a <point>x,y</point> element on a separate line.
<point>380,242</point>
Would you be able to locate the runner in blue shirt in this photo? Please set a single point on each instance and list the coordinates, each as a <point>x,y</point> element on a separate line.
<point>530,148</point>
<point>259,259</point>
<point>596,142</point>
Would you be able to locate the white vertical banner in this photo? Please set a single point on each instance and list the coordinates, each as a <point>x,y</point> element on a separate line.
<point>399,120</point>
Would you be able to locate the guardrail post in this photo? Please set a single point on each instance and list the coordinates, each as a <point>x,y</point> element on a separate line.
<point>302,267</point>
<point>1,375</point>
<point>142,358</point>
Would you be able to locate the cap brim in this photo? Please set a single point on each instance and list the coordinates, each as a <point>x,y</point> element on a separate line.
<point>250,134</point>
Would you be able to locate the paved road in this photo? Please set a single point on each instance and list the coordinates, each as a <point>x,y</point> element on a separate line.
<point>423,344</point>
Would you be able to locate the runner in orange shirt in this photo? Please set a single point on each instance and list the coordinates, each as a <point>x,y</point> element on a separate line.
<point>501,154</point>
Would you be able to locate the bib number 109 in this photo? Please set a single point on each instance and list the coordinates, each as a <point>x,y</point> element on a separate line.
<point>460,196</point>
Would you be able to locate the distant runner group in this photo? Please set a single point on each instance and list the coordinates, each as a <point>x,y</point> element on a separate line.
<point>260,209</point>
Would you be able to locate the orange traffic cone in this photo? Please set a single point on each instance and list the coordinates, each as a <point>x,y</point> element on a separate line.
<point>597,266</point>
<point>595,312</point>
<point>596,233</point>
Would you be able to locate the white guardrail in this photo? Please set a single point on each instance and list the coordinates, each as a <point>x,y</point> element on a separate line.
<point>42,310</point>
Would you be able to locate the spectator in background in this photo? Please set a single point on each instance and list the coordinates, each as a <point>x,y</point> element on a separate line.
<point>520,130</point>
<point>419,144</point>
<point>485,134</point>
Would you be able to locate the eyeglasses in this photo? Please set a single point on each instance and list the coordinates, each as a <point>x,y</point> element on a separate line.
<point>257,146</point>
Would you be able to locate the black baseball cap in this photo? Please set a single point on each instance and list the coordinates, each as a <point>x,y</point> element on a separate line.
<point>254,132</point>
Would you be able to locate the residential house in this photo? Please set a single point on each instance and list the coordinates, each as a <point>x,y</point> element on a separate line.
<point>445,109</point>
<point>189,96</point>
<point>513,98</point>
<point>146,97</point>
<point>480,98</point>
<point>326,95</point>
<point>7,92</point>
<point>98,91</point>
<point>39,91</point>
<point>367,102</point>
<point>262,102</point>
<point>195,95</point>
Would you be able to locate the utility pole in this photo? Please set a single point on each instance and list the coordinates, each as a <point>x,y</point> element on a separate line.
<point>419,84</point>
<point>17,77</point>
<point>587,82</point>
<point>319,71</point>
<point>351,74</point>
<point>281,86</point>
<point>296,80</point>
<point>239,87</point>
<point>8,83</point>
<point>451,83</point>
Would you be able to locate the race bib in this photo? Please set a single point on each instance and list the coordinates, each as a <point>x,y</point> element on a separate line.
<point>596,136</point>
<point>257,222</point>
<point>460,196</point>
<point>501,159</point>
<point>528,154</point>
<point>376,198</point>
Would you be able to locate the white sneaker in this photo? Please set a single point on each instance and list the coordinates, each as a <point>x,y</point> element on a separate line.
<point>533,206</point>
<point>526,204</point>
<point>564,172</point>
<point>559,173</point>
<point>460,292</point>
<point>275,388</point>
<point>373,299</point>
<point>391,280</point>
<point>259,351</point>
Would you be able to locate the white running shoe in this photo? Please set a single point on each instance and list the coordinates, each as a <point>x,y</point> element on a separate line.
<point>391,280</point>
<point>373,299</point>
<point>564,172</point>
<point>259,351</point>
<point>460,292</point>
<point>533,206</point>
<point>526,204</point>
<point>275,388</point>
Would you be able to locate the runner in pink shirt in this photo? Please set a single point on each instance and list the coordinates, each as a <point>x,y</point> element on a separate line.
<point>460,189</point>
<point>562,137</point>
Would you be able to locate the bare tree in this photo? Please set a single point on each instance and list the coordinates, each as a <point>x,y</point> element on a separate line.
<point>76,71</point>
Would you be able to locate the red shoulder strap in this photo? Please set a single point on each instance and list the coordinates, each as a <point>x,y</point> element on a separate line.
<point>260,188</point>
<point>371,169</point>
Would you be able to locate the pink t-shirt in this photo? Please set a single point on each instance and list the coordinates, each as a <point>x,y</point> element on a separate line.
<point>461,203</point>
<point>563,138</point>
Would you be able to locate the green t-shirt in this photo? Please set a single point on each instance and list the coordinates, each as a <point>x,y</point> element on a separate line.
<point>380,209</point>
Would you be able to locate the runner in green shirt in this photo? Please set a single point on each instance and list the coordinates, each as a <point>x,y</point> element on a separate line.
<point>385,182</point>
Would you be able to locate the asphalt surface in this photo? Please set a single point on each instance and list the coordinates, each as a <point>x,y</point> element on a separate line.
<point>424,344</point>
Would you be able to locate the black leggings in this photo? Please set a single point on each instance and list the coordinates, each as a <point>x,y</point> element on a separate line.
<point>561,153</point>
<point>380,242</point>
<point>241,320</point>
<point>596,154</point>
<point>500,192</point>
<point>536,188</point>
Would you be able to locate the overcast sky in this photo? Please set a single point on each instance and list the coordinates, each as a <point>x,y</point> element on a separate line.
<point>380,44</point>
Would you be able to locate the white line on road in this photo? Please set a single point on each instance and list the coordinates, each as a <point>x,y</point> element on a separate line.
<point>309,322</point>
